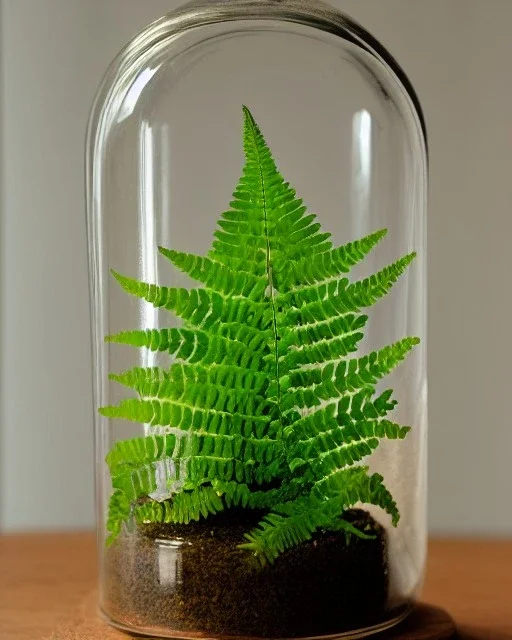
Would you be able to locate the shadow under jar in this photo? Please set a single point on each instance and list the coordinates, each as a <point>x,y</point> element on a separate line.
<point>259,369</point>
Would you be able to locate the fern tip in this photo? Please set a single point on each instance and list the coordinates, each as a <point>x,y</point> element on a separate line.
<point>164,251</point>
<point>249,118</point>
<point>123,280</point>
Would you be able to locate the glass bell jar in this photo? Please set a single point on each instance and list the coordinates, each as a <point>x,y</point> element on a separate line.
<point>256,182</point>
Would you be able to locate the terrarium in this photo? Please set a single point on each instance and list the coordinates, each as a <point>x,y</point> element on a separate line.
<point>256,217</point>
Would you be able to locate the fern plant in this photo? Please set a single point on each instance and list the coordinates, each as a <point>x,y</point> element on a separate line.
<point>263,406</point>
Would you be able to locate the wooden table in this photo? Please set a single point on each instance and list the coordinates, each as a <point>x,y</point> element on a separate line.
<point>44,578</point>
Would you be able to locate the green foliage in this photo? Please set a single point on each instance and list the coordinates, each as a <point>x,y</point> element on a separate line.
<point>262,406</point>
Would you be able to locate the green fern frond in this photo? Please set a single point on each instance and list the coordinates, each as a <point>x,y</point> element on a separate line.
<point>181,509</point>
<point>321,267</point>
<point>202,308</point>
<point>285,527</point>
<point>265,216</point>
<point>129,454</point>
<point>191,386</point>
<point>295,522</point>
<point>349,529</point>
<point>374,429</point>
<point>310,387</point>
<point>262,405</point>
<point>221,452</point>
<point>167,413</point>
<point>292,523</point>
<point>348,487</point>
<point>196,346</point>
<point>338,448</point>
<point>119,511</point>
<point>218,275</point>
<point>236,494</point>
<point>367,292</point>
<point>230,378</point>
<point>321,302</point>
<point>208,500</point>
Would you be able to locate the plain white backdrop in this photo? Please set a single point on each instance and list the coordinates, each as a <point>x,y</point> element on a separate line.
<point>53,53</point>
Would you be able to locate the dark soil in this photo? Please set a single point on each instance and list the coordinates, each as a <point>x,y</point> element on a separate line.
<point>193,578</point>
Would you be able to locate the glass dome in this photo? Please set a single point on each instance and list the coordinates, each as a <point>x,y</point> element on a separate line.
<point>258,304</point>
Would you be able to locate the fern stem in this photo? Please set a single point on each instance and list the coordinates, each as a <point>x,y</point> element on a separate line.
<point>268,262</point>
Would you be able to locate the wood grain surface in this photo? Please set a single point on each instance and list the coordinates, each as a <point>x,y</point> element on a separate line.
<point>47,583</point>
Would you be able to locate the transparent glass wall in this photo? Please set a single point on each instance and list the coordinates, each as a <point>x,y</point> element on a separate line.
<point>165,153</point>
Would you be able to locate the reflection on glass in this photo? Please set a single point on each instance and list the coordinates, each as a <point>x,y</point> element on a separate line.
<point>361,170</point>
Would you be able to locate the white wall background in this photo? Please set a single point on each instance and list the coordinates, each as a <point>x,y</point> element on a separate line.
<point>53,52</point>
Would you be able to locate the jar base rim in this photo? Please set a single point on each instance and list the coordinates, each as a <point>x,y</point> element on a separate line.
<point>159,632</point>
